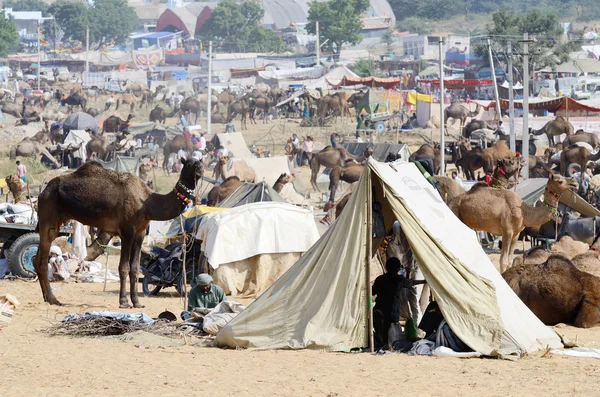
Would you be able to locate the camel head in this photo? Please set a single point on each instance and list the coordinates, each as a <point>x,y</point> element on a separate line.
<point>285,178</point>
<point>511,166</point>
<point>130,117</point>
<point>224,160</point>
<point>558,184</point>
<point>193,170</point>
<point>15,185</point>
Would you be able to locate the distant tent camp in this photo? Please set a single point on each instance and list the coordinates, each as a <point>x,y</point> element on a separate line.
<point>322,301</point>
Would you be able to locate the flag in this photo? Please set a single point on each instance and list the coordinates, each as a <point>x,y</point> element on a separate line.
<point>201,48</point>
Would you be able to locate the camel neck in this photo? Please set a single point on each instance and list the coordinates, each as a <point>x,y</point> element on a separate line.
<point>164,207</point>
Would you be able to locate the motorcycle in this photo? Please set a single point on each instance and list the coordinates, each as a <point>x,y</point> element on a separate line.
<point>163,268</point>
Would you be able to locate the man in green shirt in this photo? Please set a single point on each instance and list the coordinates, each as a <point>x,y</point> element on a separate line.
<point>205,295</point>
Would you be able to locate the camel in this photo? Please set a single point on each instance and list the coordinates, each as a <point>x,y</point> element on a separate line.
<point>557,292</point>
<point>470,162</point>
<point>218,118</point>
<point>128,99</point>
<point>458,112</point>
<point>553,128</point>
<point>104,149</point>
<point>76,100</point>
<point>53,115</point>
<point>334,104</point>
<point>173,146</point>
<point>226,98</point>
<point>242,107</point>
<point>222,191</point>
<point>15,186</point>
<point>491,155</point>
<point>227,167</point>
<point>329,158</point>
<point>578,155</point>
<point>449,188</point>
<point>158,115</point>
<point>502,212</point>
<point>93,111</point>
<point>349,172</point>
<point>145,173</point>
<point>427,152</point>
<point>589,260</point>
<point>262,88</point>
<point>29,148</point>
<point>191,105</point>
<point>565,246</point>
<point>474,125</point>
<point>283,180</point>
<point>115,124</point>
<point>581,136</point>
<point>12,108</point>
<point>263,103</point>
<point>117,203</point>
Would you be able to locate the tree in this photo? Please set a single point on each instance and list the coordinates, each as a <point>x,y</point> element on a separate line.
<point>548,51</point>
<point>112,20</point>
<point>8,35</point>
<point>71,18</point>
<point>238,28</point>
<point>388,38</point>
<point>339,22</point>
<point>27,5</point>
<point>362,67</point>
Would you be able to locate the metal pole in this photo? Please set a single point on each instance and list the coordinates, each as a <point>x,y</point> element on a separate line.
<point>318,43</point>
<point>511,99</point>
<point>208,101</point>
<point>493,69</point>
<point>87,50</point>
<point>39,57</point>
<point>525,148</point>
<point>442,121</point>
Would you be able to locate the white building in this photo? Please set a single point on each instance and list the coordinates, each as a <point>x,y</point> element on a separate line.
<point>26,21</point>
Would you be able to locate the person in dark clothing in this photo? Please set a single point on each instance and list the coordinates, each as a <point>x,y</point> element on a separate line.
<point>333,139</point>
<point>23,113</point>
<point>387,288</point>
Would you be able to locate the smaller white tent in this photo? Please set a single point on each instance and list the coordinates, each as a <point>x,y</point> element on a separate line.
<point>250,246</point>
<point>322,301</point>
<point>77,138</point>
<point>269,169</point>
<point>235,143</point>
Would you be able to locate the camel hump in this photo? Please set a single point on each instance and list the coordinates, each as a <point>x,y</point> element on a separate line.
<point>91,167</point>
<point>232,178</point>
<point>478,186</point>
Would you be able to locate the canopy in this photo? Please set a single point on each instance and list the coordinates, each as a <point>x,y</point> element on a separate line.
<point>123,164</point>
<point>553,105</point>
<point>235,143</point>
<point>386,83</point>
<point>381,151</point>
<point>160,132</point>
<point>79,139</point>
<point>372,103</point>
<point>254,229</point>
<point>453,83</point>
<point>80,121</point>
<point>321,301</point>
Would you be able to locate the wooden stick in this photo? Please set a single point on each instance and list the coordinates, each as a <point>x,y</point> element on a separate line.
<point>185,297</point>
<point>368,266</point>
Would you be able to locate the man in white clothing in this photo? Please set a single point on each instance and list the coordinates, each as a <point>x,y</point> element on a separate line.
<point>457,179</point>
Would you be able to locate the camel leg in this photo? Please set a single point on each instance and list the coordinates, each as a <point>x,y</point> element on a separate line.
<point>47,235</point>
<point>506,254</point>
<point>134,262</point>
<point>127,240</point>
<point>513,246</point>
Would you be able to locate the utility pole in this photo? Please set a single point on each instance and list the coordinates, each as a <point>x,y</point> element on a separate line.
<point>442,121</point>
<point>208,101</point>
<point>525,141</point>
<point>318,43</point>
<point>511,99</point>
<point>39,55</point>
<point>493,69</point>
<point>87,50</point>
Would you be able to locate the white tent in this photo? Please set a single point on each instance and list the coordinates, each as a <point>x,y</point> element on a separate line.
<point>235,143</point>
<point>269,169</point>
<point>76,138</point>
<point>321,302</point>
<point>250,246</point>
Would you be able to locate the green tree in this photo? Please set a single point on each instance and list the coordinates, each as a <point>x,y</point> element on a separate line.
<point>27,5</point>
<point>339,22</point>
<point>362,67</point>
<point>440,9</point>
<point>548,51</point>
<point>238,28</point>
<point>388,39</point>
<point>414,25</point>
<point>8,35</point>
<point>112,20</point>
<point>71,18</point>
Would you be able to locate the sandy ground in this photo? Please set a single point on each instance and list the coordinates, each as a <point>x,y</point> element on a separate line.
<point>144,364</point>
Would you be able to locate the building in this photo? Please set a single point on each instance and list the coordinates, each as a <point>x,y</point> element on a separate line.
<point>422,47</point>
<point>188,19</point>
<point>27,23</point>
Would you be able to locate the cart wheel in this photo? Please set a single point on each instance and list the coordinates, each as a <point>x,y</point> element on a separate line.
<point>148,288</point>
<point>380,126</point>
<point>21,255</point>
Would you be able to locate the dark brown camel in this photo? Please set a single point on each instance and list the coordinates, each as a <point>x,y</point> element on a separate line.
<point>115,124</point>
<point>578,155</point>
<point>242,108</point>
<point>349,173</point>
<point>118,203</point>
<point>328,158</point>
<point>173,146</point>
<point>220,192</point>
<point>557,292</point>
<point>158,115</point>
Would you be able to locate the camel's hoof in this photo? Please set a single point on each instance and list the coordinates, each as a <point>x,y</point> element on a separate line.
<point>54,301</point>
<point>125,306</point>
<point>138,306</point>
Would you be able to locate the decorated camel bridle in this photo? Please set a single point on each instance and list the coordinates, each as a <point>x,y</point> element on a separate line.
<point>549,195</point>
<point>498,183</point>
<point>185,194</point>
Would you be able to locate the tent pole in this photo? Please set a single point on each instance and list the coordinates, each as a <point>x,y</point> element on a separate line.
<point>368,265</point>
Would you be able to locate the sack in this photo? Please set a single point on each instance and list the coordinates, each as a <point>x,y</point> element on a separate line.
<point>395,333</point>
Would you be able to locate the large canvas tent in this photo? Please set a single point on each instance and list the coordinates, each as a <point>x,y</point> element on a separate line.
<point>321,302</point>
<point>235,143</point>
<point>159,132</point>
<point>381,151</point>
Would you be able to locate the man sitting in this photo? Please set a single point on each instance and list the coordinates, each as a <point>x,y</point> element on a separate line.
<point>205,295</point>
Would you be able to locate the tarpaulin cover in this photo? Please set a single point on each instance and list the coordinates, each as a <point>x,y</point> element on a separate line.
<point>123,164</point>
<point>296,74</point>
<point>160,132</point>
<point>386,83</point>
<point>254,229</point>
<point>459,83</point>
<point>380,150</point>
<point>413,97</point>
<point>80,121</point>
<point>79,138</point>
<point>552,105</point>
<point>321,301</point>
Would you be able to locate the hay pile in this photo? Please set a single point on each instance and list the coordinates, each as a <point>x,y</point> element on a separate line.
<point>103,326</point>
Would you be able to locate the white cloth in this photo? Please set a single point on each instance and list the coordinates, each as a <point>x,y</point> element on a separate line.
<point>197,155</point>
<point>578,352</point>
<point>458,180</point>
<point>202,143</point>
<point>181,154</point>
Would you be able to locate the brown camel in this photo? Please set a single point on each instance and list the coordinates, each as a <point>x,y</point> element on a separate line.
<point>29,148</point>
<point>116,124</point>
<point>565,246</point>
<point>222,191</point>
<point>127,99</point>
<point>16,187</point>
<point>263,103</point>
<point>470,162</point>
<point>491,155</point>
<point>578,155</point>
<point>103,148</point>
<point>349,172</point>
<point>119,204</point>
<point>557,292</point>
<point>581,136</point>
<point>227,167</point>
<point>241,107</point>
<point>333,105</point>
<point>553,128</point>
<point>457,111</point>
<point>145,173</point>
<point>427,152</point>
<point>158,115</point>
<point>502,212</point>
<point>283,180</point>
<point>449,188</point>
<point>328,158</point>
<point>474,125</point>
<point>173,145</point>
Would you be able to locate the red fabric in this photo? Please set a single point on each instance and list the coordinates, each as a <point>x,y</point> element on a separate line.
<point>552,105</point>
<point>376,82</point>
<point>488,179</point>
<point>187,135</point>
<point>460,83</point>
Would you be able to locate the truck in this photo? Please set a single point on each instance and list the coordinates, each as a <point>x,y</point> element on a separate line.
<point>20,245</point>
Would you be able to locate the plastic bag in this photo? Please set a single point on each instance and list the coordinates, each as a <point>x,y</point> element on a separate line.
<point>8,304</point>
